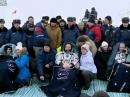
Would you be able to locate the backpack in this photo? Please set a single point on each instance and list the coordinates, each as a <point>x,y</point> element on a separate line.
<point>40,37</point>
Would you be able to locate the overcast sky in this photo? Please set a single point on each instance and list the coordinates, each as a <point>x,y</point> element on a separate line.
<point>37,8</point>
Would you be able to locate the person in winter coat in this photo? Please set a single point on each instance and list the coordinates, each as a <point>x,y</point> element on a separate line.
<point>40,36</point>
<point>122,34</point>
<point>29,21</point>
<point>65,80</point>
<point>8,49</point>
<point>94,12</point>
<point>108,31</point>
<point>8,74</point>
<point>22,62</point>
<point>93,28</point>
<point>45,19</point>
<point>87,66</point>
<point>3,32</point>
<point>62,25</point>
<point>16,34</point>
<point>83,39</point>
<point>87,14</point>
<point>71,33</point>
<point>45,61</point>
<point>119,76</point>
<point>101,60</point>
<point>54,33</point>
<point>119,54</point>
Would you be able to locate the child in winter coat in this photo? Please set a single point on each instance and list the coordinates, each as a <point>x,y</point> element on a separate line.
<point>87,67</point>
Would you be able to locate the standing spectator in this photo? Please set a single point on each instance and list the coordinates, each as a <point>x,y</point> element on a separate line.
<point>29,43</point>
<point>122,33</point>
<point>71,33</point>
<point>62,25</point>
<point>94,12</point>
<point>83,39</point>
<point>3,32</point>
<point>40,36</point>
<point>22,63</point>
<point>29,21</point>
<point>58,18</point>
<point>87,14</point>
<point>45,61</point>
<point>45,19</point>
<point>54,33</point>
<point>16,33</point>
<point>87,67</point>
<point>108,31</point>
<point>92,27</point>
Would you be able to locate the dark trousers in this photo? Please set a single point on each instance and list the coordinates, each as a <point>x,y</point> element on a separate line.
<point>88,76</point>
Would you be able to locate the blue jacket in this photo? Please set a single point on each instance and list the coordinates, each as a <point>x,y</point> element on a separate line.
<point>70,35</point>
<point>40,35</point>
<point>3,33</point>
<point>23,66</point>
<point>44,58</point>
<point>122,34</point>
<point>14,36</point>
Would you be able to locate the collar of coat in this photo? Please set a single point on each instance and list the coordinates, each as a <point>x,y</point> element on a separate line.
<point>3,30</point>
<point>123,28</point>
<point>13,29</point>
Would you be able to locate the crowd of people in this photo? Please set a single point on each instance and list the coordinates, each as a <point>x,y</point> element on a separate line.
<point>67,54</point>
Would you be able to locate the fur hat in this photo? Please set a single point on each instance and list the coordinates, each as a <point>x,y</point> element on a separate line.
<point>70,19</point>
<point>53,20</point>
<point>104,43</point>
<point>125,20</point>
<point>2,21</point>
<point>16,21</point>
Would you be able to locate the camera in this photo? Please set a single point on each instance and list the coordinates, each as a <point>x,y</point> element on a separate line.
<point>124,51</point>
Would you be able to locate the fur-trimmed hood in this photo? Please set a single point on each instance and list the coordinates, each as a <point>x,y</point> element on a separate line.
<point>3,30</point>
<point>13,29</point>
<point>123,28</point>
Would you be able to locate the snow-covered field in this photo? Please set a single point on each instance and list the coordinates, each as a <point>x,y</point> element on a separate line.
<point>37,8</point>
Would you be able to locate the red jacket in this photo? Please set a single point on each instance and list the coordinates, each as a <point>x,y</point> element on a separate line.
<point>97,31</point>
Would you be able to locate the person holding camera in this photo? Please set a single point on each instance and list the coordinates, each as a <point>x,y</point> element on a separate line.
<point>119,76</point>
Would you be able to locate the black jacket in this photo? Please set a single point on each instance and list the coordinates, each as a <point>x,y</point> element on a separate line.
<point>8,73</point>
<point>3,33</point>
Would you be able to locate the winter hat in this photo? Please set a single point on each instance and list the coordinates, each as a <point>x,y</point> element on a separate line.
<point>2,21</point>
<point>45,18</point>
<point>108,18</point>
<point>104,43</point>
<point>70,19</point>
<point>58,17</point>
<point>93,8</point>
<point>19,46</point>
<point>101,94</point>
<point>125,20</point>
<point>16,21</point>
<point>86,46</point>
<point>53,20</point>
